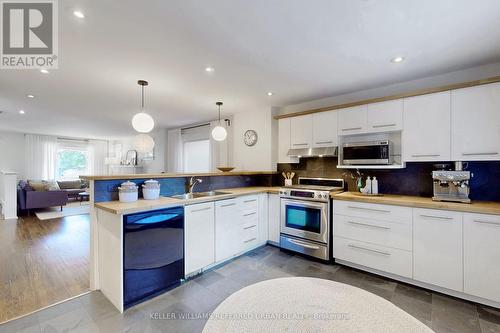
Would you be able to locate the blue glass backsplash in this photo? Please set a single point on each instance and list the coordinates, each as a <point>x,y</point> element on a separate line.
<point>107,190</point>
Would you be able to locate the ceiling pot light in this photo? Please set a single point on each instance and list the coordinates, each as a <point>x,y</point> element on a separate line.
<point>269,94</point>
<point>30,96</point>
<point>143,143</point>
<point>397,59</point>
<point>209,69</point>
<point>219,133</point>
<point>21,112</point>
<point>78,14</point>
<point>143,122</point>
<point>44,71</point>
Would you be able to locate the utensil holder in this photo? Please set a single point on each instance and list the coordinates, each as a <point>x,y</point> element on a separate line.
<point>288,182</point>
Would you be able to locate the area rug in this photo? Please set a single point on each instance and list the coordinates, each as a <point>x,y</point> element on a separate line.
<point>301,304</point>
<point>72,208</point>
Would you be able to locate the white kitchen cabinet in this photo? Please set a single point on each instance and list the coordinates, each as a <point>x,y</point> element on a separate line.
<point>437,248</point>
<point>274,219</point>
<point>227,229</point>
<point>324,129</point>
<point>385,116</point>
<point>263,218</point>
<point>301,131</point>
<point>482,255</point>
<point>475,123</point>
<point>284,143</point>
<point>199,236</point>
<point>352,120</point>
<point>427,127</point>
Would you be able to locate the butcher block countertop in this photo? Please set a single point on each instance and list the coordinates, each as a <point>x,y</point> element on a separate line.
<point>117,207</point>
<point>481,207</point>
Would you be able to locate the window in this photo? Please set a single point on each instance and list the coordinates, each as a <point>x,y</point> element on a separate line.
<point>197,156</point>
<point>71,163</point>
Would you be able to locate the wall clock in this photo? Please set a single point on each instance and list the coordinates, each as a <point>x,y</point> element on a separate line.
<point>250,138</point>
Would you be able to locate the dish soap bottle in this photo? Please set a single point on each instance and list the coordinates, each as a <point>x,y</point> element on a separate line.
<point>368,185</point>
<point>374,185</point>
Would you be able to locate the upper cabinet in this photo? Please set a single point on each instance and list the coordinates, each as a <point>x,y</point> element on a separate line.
<point>284,143</point>
<point>324,129</point>
<point>475,123</point>
<point>385,116</point>
<point>352,120</point>
<point>301,129</point>
<point>429,113</point>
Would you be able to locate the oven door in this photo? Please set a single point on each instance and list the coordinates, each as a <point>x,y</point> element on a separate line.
<point>305,219</point>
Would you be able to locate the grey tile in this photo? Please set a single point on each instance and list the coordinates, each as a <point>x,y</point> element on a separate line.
<point>488,314</point>
<point>246,277</point>
<point>154,305</point>
<point>415,307</point>
<point>207,278</point>
<point>60,309</point>
<point>98,307</point>
<point>414,292</point>
<point>175,318</point>
<point>205,301</point>
<point>224,287</point>
<point>455,305</point>
<point>453,319</point>
<point>66,322</point>
<point>488,327</point>
<point>27,324</point>
<point>349,276</point>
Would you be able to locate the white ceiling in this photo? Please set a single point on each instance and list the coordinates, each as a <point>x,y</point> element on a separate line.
<point>300,50</point>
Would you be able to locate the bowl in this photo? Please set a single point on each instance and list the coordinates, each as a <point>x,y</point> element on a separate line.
<point>225,169</point>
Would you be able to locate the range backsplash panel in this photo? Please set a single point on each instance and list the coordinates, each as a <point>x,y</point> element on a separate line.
<point>415,179</point>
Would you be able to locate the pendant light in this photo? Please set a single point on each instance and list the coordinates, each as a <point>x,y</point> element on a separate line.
<point>219,133</point>
<point>143,143</point>
<point>143,122</point>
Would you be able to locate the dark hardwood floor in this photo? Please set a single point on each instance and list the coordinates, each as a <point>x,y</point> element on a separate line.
<point>42,262</point>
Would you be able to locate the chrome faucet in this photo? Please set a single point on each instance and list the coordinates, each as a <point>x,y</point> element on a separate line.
<point>192,183</point>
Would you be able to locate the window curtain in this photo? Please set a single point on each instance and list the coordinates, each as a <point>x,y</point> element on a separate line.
<point>40,156</point>
<point>98,151</point>
<point>220,151</point>
<point>174,151</point>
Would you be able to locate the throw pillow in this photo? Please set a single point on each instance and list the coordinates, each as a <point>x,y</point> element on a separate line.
<point>37,185</point>
<point>51,185</point>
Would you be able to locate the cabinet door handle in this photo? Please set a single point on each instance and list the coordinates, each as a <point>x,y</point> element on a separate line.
<point>487,222</point>
<point>251,239</point>
<point>227,205</point>
<point>299,144</point>
<point>249,227</point>
<point>201,209</point>
<point>369,250</point>
<point>352,129</point>
<point>481,153</point>
<point>299,243</point>
<point>437,217</point>
<point>385,125</point>
<point>370,209</point>
<point>248,214</point>
<point>251,200</point>
<point>323,142</point>
<point>425,155</point>
<point>369,225</point>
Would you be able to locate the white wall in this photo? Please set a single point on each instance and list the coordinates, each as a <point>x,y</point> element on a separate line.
<point>471,74</point>
<point>260,156</point>
<point>12,152</point>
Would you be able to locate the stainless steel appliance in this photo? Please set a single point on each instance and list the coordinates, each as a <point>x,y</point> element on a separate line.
<point>367,153</point>
<point>305,216</point>
<point>451,185</point>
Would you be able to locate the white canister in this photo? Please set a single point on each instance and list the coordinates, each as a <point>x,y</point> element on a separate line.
<point>150,193</point>
<point>127,196</point>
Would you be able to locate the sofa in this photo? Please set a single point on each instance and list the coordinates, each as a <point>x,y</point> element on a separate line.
<point>28,198</point>
<point>73,187</point>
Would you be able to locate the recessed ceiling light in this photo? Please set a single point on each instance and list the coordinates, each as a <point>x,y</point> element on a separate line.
<point>398,59</point>
<point>44,71</point>
<point>78,14</point>
<point>30,96</point>
<point>21,112</point>
<point>269,94</point>
<point>209,69</point>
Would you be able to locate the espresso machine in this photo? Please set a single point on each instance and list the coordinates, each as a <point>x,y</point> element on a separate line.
<point>451,185</point>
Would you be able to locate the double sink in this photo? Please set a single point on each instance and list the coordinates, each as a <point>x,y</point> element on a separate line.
<point>199,195</point>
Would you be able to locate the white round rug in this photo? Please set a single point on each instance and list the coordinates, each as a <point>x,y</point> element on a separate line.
<point>300,304</point>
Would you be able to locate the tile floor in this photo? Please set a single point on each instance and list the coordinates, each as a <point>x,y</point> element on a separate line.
<point>93,313</point>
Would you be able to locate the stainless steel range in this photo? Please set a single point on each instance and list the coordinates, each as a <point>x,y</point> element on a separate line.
<point>305,216</point>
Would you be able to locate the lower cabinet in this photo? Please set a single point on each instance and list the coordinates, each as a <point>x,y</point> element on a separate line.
<point>274,218</point>
<point>482,255</point>
<point>199,238</point>
<point>437,248</point>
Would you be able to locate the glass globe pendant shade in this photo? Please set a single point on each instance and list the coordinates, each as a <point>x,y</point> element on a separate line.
<point>219,133</point>
<point>143,143</point>
<point>143,122</point>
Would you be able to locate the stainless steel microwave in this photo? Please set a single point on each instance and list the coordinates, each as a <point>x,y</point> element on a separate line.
<point>367,153</point>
